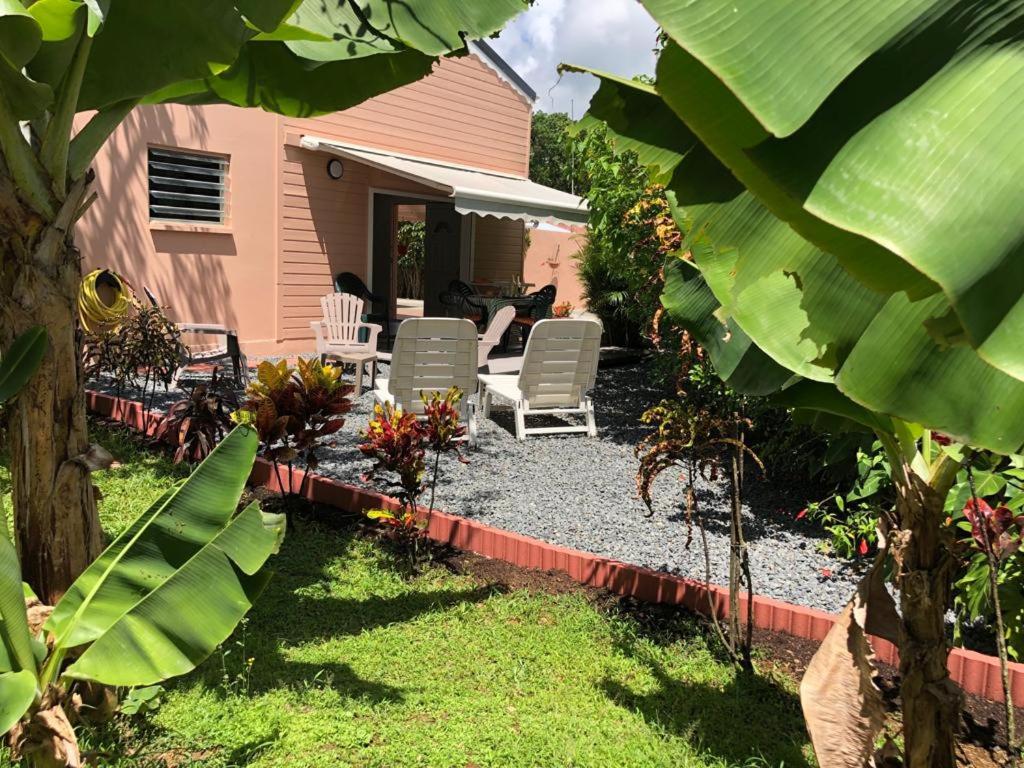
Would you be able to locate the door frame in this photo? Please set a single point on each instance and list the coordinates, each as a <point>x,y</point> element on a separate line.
<point>412,198</point>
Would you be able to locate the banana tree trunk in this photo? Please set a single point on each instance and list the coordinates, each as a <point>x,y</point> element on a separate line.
<point>924,570</point>
<point>56,526</point>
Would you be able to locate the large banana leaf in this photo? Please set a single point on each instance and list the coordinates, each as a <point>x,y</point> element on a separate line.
<point>798,305</point>
<point>174,585</point>
<point>298,57</point>
<point>18,681</point>
<point>886,133</point>
<point>20,361</point>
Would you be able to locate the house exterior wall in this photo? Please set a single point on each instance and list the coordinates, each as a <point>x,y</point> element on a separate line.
<point>497,249</point>
<point>551,258</point>
<point>324,230</point>
<point>461,113</point>
<point>289,226</point>
<point>204,273</point>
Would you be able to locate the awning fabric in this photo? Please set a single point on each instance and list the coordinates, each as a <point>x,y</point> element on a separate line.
<point>485,193</point>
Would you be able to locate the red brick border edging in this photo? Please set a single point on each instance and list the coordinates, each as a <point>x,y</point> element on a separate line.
<point>976,673</point>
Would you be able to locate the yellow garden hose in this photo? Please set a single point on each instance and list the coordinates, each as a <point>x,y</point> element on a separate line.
<point>104,298</point>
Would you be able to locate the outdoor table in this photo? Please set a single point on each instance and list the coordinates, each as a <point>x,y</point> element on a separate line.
<point>359,359</point>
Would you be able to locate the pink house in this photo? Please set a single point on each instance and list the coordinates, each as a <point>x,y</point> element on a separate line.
<point>242,217</point>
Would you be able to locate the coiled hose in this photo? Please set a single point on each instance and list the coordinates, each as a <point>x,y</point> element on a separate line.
<point>96,310</point>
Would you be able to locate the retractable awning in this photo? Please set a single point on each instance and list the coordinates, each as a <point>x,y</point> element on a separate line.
<point>485,193</point>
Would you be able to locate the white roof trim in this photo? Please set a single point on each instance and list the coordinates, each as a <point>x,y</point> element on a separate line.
<point>486,58</point>
<point>473,190</point>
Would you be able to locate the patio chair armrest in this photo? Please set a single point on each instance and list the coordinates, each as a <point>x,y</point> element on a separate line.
<point>374,329</point>
<point>318,329</point>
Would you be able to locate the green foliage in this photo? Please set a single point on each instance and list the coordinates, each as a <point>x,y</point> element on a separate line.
<point>20,361</point>
<point>146,344</point>
<point>410,243</point>
<point>629,233</point>
<point>554,160</point>
<point>194,566</point>
<point>850,516</point>
<point>397,442</point>
<point>195,424</point>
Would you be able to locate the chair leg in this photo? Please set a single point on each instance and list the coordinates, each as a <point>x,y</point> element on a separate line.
<point>359,379</point>
<point>520,422</point>
<point>485,401</point>
<point>591,420</point>
<point>471,418</point>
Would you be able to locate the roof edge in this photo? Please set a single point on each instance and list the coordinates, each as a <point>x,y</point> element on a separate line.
<point>503,69</point>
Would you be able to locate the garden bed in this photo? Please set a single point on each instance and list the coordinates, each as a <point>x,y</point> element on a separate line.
<point>580,493</point>
<point>976,673</point>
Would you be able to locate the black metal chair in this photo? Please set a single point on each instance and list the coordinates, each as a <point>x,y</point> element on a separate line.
<point>539,308</point>
<point>460,296</point>
<point>349,282</point>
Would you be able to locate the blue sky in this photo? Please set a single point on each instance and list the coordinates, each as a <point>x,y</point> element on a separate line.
<point>617,36</point>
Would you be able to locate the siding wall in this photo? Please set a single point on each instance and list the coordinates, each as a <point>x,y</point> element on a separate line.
<point>324,231</point>
<point>497,249</point>
<point>291,227</point>
<point>462,113</point>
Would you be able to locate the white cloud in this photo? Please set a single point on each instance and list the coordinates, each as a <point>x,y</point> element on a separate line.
<point>617,36</point>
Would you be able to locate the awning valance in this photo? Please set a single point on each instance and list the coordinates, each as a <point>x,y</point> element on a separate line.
<point>485,193</point>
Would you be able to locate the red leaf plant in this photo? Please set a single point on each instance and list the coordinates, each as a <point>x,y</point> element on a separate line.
<point>996,531</point>
<point>398,441</point>
<point>293,410</point>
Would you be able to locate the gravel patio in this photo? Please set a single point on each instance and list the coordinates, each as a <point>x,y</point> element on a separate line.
<point>579,492</point>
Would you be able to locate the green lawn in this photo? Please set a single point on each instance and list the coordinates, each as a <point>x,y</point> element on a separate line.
<point>351,664</point>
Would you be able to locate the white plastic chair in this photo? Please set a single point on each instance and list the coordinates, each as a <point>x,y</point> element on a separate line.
<point>432,354</point>
<point>559,370</point>
<point>338,332</point>
<point>496,328</point>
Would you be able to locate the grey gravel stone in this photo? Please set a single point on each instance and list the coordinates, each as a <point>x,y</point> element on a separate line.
<point>580,492</point>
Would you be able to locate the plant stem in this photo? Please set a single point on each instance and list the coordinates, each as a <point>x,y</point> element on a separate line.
<point>993,581</point>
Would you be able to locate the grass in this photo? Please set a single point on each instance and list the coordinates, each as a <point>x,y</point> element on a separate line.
<point>345,662</point>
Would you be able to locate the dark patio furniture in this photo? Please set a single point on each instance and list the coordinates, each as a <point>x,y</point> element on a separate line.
<point>535,306</point>
<point>349,282</point>
<point>465,302</point>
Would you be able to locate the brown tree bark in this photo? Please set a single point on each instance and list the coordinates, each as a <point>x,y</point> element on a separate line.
<point>923,574</point>
<point>56,526</point>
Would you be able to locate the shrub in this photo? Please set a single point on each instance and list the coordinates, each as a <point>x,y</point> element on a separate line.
<point>194,425</point>
<point>293,409</point>
<point>410,239</point>
<point>398,442</point>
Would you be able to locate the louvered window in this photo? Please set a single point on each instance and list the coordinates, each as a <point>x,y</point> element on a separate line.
<point>186,187</point>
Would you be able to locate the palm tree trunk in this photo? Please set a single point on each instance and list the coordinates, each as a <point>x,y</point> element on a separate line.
<point>56,526</point>
<point>923,573</point>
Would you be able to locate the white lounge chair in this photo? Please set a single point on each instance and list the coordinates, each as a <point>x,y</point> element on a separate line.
<point>432,354</point>
<point>339,330</point>
<point>559,370</point>
<point>496,328</point>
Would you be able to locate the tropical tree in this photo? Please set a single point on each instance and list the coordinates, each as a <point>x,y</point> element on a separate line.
<point>847,181</point>
<point>59,58</point>
<point>553,160</point>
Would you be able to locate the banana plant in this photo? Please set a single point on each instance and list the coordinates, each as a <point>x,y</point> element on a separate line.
<point>847,179</point>
<point>157,602</point>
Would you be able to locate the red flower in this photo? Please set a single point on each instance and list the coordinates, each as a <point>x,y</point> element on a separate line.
<point>863,547</point>
<point>801,514</point>
<point>826,573</point>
